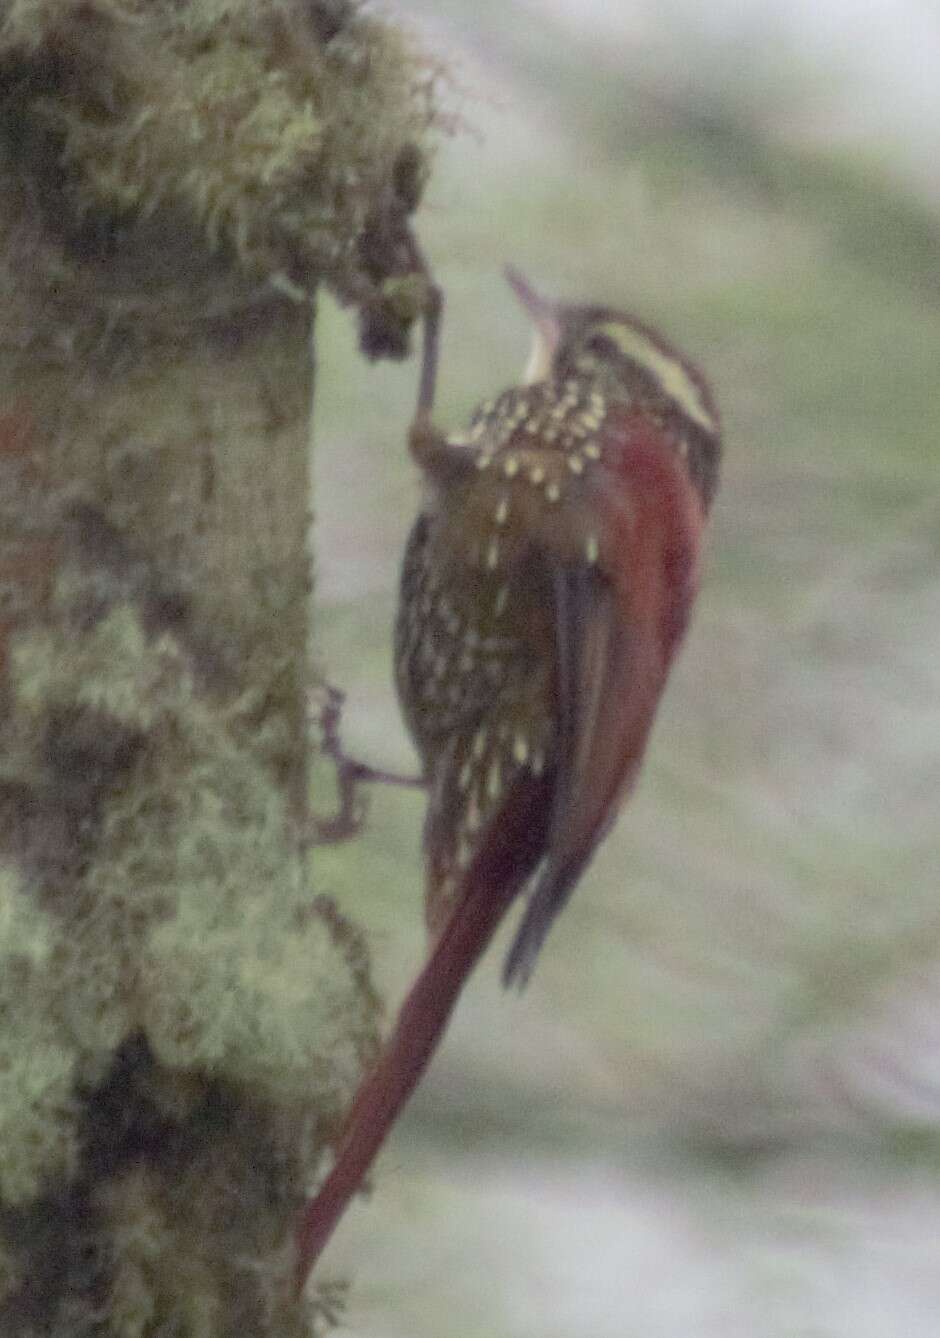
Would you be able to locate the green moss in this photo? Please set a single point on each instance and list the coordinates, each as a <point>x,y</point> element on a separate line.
<point>110,669</point>
<point>194,921</point>
<point>151,1268</point>
<point>280,141</point>
<point>183,1021</point>
<point>38,1116</point>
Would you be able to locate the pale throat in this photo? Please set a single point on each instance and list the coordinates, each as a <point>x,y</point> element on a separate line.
<point>539,364</point>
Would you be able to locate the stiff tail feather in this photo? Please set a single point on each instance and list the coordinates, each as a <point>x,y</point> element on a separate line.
<point>507,857</point>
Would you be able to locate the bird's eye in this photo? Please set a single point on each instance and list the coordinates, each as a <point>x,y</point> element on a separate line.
<point>601,346</point>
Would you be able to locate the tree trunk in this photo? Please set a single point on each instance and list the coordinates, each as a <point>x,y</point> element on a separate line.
<point>182,1020</point>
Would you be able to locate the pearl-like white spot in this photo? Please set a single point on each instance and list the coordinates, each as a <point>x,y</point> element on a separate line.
<point>592,450</point>
<point>553,492</point>
<point>494,781</point>
<point>520,749</point>
<point>502,595</point>
<point>478,747</point>
<point>492,555</point>
<point>510,466</point>
<point>575,464</point>
<point>502,511</point>
<point>591,548</point>
<point>537,475</point>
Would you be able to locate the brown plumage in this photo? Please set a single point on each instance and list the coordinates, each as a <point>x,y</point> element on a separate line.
<point>546,586</point>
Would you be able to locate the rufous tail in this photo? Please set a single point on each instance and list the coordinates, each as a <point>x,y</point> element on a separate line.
<point>491,883</point>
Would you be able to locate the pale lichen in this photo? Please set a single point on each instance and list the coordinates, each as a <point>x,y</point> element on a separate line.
<point>183,1021</point>
<point>38,1112</point>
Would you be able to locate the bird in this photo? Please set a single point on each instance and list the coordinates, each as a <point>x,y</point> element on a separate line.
<point>546,587</point>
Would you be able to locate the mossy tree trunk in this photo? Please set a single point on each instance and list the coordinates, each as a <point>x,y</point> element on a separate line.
<point>182,1019</point>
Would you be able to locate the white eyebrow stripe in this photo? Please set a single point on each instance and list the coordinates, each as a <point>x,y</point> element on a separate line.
<point>672,377</point>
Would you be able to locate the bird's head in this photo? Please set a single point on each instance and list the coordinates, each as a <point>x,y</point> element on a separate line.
<point>632,362</point>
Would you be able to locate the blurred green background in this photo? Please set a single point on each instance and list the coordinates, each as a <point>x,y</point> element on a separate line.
<point>714,1112</point>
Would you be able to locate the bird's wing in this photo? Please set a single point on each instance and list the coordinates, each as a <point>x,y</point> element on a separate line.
<point>609,677</point>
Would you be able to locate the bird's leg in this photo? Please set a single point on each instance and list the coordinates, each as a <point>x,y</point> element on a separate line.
<point>440,458</point>
<point>425,442</point>
<point>463,937</point>
<point>427,384</point>
<point>350,774</point>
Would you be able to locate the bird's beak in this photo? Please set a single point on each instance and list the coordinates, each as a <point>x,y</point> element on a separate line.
<point>544,315</point>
